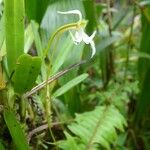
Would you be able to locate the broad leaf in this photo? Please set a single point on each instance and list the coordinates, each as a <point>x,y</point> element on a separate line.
<point>70,143</point>
<point>26,72</point>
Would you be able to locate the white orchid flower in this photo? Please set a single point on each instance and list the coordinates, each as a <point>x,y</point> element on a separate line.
<point>79,34</point>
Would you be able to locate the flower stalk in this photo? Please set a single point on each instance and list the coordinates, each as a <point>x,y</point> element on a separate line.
<point>77,37</point>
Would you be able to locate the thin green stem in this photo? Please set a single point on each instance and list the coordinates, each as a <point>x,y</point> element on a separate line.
<point>48,112</point>
<point>48,98</point>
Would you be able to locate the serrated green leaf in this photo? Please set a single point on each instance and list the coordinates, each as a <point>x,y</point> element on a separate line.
<point>71,143</point>
<point>26,72</point>
<point>70,85</point>
<point>15,130</point>
<point>14,27</point>
<point>98,127</point>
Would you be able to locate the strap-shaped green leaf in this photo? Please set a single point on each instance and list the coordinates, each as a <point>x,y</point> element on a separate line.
<point>144,67</point>
<point>70,85</point>
<point>26,72</point>
<point>14,27</point>
<point>15,130</point>
<point>2,32</point>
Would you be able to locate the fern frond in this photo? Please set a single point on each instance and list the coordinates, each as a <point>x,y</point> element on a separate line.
<point>72,143</point>
<point>98,127</point>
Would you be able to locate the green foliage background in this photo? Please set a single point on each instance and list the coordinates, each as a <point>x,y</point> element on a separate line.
<point>59,100</point>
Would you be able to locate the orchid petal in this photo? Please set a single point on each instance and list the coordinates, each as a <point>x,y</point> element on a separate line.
<point>93,35</point>
<point>87,39</point>
<point>84,36</point>
<point>76,12</point>
<point>93,48</point>
<point>78,37</point>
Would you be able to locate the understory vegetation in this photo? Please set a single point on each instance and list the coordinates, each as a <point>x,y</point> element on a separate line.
<point>75,74</point>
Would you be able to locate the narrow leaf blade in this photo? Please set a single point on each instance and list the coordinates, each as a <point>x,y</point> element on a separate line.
<point>70,85</point>
<point>14,28</point>
<point>15,130</point>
